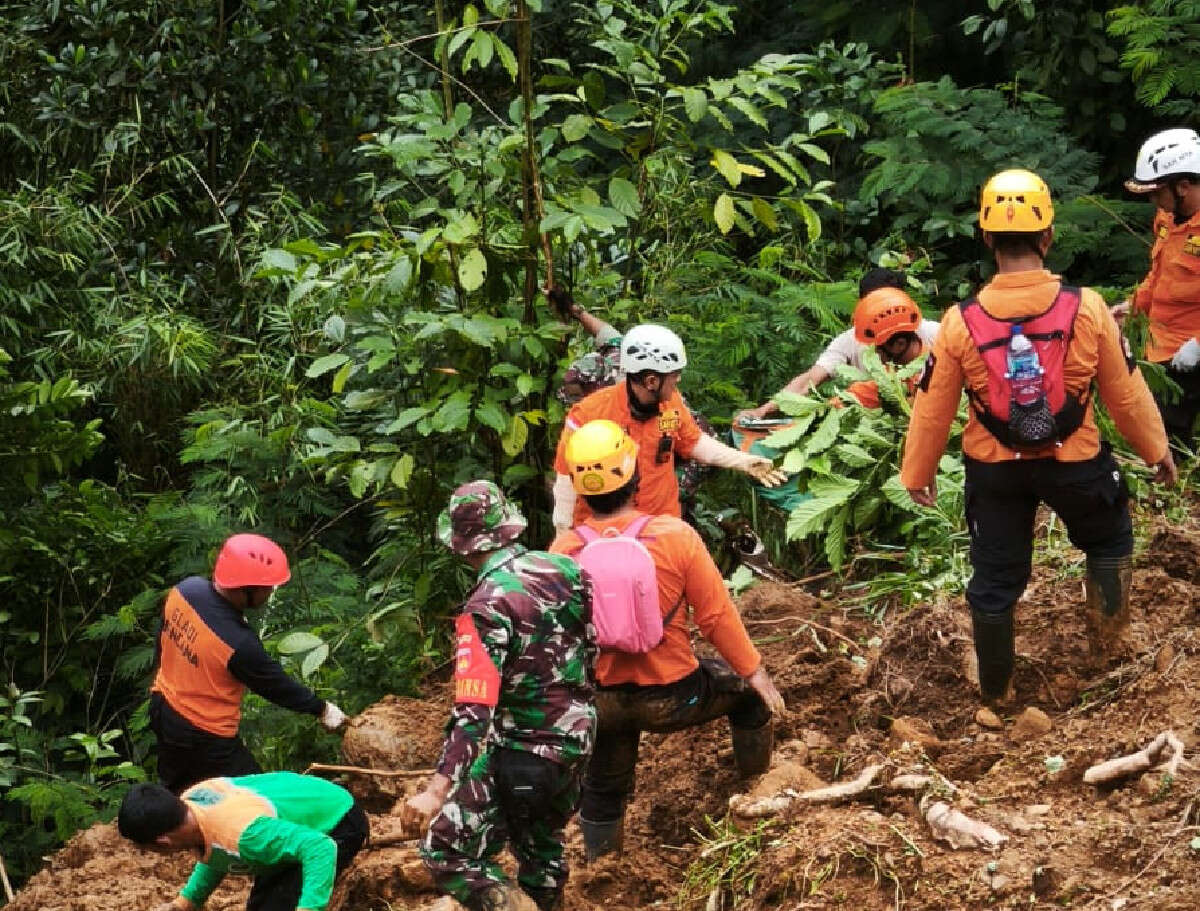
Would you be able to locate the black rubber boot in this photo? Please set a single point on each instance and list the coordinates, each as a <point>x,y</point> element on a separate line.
<point>1109,584</point>
<point>600,838</point>
<point>752,748</point>
<point>994,652</point>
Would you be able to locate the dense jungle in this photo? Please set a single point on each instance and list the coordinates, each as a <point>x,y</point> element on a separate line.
<point>281,266</point>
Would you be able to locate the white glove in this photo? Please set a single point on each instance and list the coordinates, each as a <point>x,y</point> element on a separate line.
<point>333,717</point>
<point>1187,357</point>
<point>710,451</point>
<point>563,515</point>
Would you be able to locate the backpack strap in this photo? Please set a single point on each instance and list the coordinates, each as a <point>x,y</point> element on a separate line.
<point>673,611</point>
<point>635,528</point>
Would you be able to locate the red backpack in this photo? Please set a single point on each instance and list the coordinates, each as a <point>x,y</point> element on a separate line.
<point>1059,414</point>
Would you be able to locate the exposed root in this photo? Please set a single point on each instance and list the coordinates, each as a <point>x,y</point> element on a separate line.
<point>746,808</point>
<point>959,830</point>
<point>1165,749</point>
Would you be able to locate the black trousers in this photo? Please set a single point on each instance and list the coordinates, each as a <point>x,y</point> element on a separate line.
<point>187,754</point>
<point>712,691</point>
<point>1002,500</point>
<point>1180,416</point>
<point>279,889</point>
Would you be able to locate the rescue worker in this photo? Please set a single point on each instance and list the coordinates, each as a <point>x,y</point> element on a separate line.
<point>1168,172</point>
<point>1078,345</point>
<point>649,408</point>
<point>293,833</point>
<point>602,367</point>
<point>848,347</point>
<point>666,688</point>
<point>207,656</point>
<point>524,715</point>
<point>890,321</point>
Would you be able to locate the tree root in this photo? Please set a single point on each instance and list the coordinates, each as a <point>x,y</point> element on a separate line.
<point>945,823</point>
<point>1164,752</point>
<point>746,808</point>
<point>959,830</point>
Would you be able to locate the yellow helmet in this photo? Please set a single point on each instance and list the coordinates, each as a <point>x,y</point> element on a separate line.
<point>1015,201</point>
<point>601,457</point>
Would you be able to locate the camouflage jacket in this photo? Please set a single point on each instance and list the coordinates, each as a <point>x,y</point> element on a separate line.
<point>525,657</point>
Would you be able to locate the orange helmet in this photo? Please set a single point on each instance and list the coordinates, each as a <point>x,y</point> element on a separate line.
<point>602,457</point>
<point>884,313</point>
<point>250,560</point>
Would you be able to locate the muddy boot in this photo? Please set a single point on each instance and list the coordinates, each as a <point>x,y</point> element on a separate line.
<point>752,748</point>
<point>994,651</point>
<point>601,838</point>
<point>500,897</point>
<point>546,898</point>
<point>1109,581</point>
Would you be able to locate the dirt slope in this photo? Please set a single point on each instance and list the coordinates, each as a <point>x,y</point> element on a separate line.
<point>1070,844</point>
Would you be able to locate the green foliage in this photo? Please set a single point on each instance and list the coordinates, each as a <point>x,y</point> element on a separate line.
<point>847,457</point>
<point>277,265</point>
<point>1161,38</point>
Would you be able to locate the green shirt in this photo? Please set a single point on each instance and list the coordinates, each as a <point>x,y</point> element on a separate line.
<point>257,822</point>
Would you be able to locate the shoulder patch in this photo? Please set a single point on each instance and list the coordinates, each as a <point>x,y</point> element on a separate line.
<point>476,679</point>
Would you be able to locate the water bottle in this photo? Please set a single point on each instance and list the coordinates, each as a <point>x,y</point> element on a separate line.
<point>1024,370</point>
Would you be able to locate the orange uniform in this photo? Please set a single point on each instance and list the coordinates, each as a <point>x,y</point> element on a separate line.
<point>1094,353</point>
<point>684,568</point>
<point>1170,293</point>
<point>661,441</point>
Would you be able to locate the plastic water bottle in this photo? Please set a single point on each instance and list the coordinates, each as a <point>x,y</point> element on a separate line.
<point>1024,370</point>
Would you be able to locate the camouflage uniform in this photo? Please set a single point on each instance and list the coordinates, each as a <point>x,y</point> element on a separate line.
<point>524,716</point>
<point>602,368</point>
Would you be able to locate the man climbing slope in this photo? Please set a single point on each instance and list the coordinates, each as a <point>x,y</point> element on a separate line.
<point>523,721</point>
<point>1028,349</point>
<point>663,688</point>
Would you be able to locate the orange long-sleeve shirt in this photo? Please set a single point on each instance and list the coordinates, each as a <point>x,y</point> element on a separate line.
<point>1094,353</point>
<point>684,568</point>
<point>1170,292</point>
<point>658,490</point>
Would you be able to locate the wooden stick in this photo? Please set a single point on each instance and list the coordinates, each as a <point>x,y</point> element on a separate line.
<point>806,622</point>
<point>8,892</point>
<point>391,840</point>
<point>358,770</point>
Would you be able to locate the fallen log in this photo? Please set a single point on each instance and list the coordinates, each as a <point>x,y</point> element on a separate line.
<point>1165,751</point>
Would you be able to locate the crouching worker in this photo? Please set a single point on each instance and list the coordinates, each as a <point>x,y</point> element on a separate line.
<point>645,572</point>
<point>524,716</point>
<point>293,833</point>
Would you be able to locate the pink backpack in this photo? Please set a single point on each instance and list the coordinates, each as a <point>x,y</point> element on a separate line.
<point>625,608</point>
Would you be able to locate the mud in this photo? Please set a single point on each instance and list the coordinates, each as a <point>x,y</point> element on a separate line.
<point>849,703</point>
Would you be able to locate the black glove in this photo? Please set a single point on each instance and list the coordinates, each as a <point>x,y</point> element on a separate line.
<point>561,302</point>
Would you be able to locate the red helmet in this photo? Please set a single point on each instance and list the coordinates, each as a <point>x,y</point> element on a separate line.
<point>883,313</point>
<point>250,560</point>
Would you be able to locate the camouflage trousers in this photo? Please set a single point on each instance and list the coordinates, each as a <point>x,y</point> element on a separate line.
<point>507,797</point>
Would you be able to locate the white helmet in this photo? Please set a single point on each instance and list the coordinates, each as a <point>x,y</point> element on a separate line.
<point>1163,155</point>
<point>650,347</point>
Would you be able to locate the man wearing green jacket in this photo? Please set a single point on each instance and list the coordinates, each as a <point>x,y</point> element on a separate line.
<point>293,833</point>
